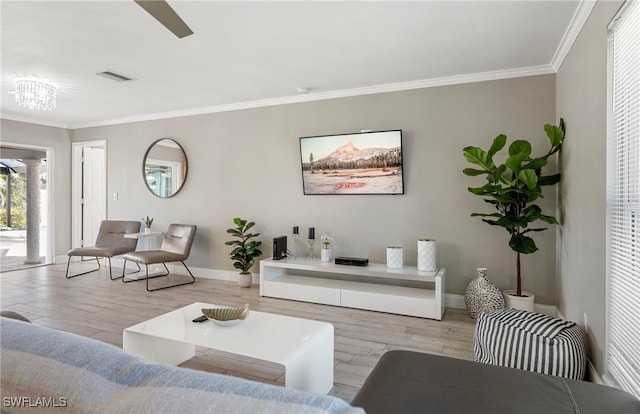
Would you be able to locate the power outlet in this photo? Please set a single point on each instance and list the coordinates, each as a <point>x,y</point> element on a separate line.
<point>584,321</point>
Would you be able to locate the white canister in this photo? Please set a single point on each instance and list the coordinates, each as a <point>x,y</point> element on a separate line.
<point>394,257</point>
<point>427,255</point>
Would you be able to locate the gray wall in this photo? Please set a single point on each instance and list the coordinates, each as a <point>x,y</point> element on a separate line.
<point>246,163</point>
<point>58,139</point>
<point>581,99</point>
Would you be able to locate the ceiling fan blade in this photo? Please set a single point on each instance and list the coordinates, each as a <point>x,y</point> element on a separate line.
<point>163,13</point>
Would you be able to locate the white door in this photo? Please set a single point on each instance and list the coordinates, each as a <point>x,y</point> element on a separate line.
<point>94,192</point>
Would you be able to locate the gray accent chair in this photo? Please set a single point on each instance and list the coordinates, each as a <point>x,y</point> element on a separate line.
<point>109,242</point>
<point>176,247</point>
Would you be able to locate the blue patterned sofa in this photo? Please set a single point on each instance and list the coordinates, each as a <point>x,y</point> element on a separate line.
<point>46,368</point>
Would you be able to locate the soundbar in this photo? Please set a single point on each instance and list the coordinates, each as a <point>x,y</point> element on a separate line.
<point>352,261</point>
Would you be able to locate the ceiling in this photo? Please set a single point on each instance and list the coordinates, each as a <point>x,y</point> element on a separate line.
<point>247,54</point>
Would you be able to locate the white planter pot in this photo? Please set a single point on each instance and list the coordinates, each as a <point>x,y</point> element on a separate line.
<point>245,280</point>
<point>524,302</point>
<point>147,230</point>
<point>325,255</point>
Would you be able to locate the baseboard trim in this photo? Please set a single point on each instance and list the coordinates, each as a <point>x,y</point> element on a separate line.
<point>546,309</point>
<point>216,274</point>
<point>457,302</point>
<point>454,301</point>
<point>199,272</point>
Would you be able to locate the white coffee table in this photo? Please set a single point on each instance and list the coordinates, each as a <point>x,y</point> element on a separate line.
<point>304,347</point>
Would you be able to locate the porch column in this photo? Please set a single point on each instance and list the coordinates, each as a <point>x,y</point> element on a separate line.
<point>33,211</point>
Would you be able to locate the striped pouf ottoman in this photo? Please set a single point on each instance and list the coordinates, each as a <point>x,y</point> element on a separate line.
<point>531,341</point>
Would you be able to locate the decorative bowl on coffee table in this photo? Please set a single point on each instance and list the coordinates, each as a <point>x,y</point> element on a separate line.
<point>227,316</point>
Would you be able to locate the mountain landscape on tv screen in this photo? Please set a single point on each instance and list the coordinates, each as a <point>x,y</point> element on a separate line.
<point>350,170</point>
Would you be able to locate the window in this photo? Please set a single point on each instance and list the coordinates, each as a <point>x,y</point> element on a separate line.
<point>623,200</point>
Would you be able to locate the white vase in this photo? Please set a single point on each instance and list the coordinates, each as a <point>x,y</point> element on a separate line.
<point>147,230</point>
<point>245,280</point>
<point>325,255</point>
<point>394,257</point>
<point>524,302</point>
<point>427,255</point>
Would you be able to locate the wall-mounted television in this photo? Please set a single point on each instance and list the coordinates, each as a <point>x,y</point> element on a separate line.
<point>359,163</point>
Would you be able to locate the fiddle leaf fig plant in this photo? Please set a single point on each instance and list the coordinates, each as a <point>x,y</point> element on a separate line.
<point>245,250</point>
<point>513,186</point>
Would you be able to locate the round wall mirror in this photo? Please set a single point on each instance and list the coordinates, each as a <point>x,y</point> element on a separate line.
<point>164,167</point>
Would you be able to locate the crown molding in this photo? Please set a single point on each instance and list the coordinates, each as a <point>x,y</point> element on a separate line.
<point>573,30</point>
<point>10,117</point>
<point>343,93</point>
<point>571,34</point>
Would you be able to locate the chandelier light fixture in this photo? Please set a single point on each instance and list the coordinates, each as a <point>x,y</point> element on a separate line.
<point>35,95</point>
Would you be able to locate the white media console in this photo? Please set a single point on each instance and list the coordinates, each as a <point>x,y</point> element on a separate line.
<point>405,291</point>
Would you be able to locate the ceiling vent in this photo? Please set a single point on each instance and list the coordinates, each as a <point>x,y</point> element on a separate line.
<point>114,76</point>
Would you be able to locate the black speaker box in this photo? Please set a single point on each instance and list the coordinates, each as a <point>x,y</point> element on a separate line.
<point>279,247</point>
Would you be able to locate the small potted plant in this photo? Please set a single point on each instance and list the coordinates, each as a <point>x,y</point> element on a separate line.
<point>325,252</point>
<point>512,188</point>
<point>148,221</point>
<point>245,250</point>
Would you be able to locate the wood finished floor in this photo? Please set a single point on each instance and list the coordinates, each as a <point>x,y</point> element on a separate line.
<point>96,307</point>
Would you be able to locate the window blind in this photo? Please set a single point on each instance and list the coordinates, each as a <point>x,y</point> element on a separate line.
<point>623,206</point>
